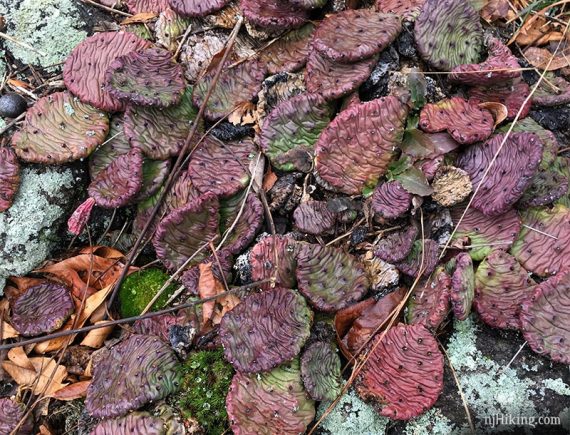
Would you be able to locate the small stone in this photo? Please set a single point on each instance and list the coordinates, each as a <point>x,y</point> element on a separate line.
<point>12,105</point>
<point>451,185</point>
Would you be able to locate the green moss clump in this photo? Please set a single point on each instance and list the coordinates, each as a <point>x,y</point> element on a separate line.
<point>140,287</point>
<point>205,384</point>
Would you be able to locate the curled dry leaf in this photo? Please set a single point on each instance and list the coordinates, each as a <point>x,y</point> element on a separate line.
<point>209,286</point>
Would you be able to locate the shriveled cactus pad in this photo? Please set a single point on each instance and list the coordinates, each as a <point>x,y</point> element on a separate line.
<point>512,95</point>
<point>407,9</point>
<point>314,217</point>
<point>448,33</point>
<point>396,246</point>
<point>59,129</point>
<point>291,129</point>
<point>84,69</point>
<point>115,145</point>
<point>273,14</point>
<point>275,255</point>
<point>412,264</point>
<point>135,423</point>
<point>390,200</point>
<point>553,93</point>
<point>320,369</point>
<point>329,278</point>
<point>545,318</point>
<point>353,35</point>
<point>265,330</point>
<point>269,403</point>
<point>9,177</point>
<point>465,121</point>
<point>512,172</point>
<point>139,6</point>
<point>246,226</point>
<point>138,370</point>
<point>353,152</point>
<point>308,4</point>
<point>501,285</point>
<point>43,308</point>
<point>11,412</point>
<point>197,8</point>
<point>543,245</point>
<point>429,302</point>
<point>404,374</point>
<point>289,53</point>
<point>462,286</point>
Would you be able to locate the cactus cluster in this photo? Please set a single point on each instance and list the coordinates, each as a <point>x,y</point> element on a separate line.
<point>555,92</point>
<point>423,256</point>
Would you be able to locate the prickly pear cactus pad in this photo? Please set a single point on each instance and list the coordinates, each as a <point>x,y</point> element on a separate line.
<point>119,183</point>
<point>59,129</point>
<point>546,95</point>
<point>197,8</point>
<point>43,308</point>
<point>147,78</point>
<point>273,14</point>
<point>396,245</point>
<point>290,131</point>
<point>465,121</point>
<point>545,317</point>
<point>140,6</point>
<point>513,95</point>
<point>448,33</point>
<point>265,330</point>
<point>501,66</point>
<point>412,264</point>
<point>512,172</point>
<point>248,224</point>
<point>115,145</point>
<point>289,53</point>
<point>136,371</point>
<point>320,370</point>
<point>221,168</point>
<point>181,193</point>
<point>84,69</point>
<point>308,4</point>
<point>314,217</point>
<point>407,9</point>
<point>333,80</point>
<point>429,302</point>
<point>353,35</point>
<point>479,232</point>
<point>549,184</point>
<point>154,172</point>
<point>135,423</point>
<point>404,374</point>
<point>390,200</point>
<point>270,403</point>
<point>354,151</point>
<point>237,85</point>
<point>543,244</point>
<point>329,278</point>
<point>271,253</point>
<point>11,412</point>
<point>501,285</point>
<point>462,286</point>
<point>9,177</point>
<point>182,232</point>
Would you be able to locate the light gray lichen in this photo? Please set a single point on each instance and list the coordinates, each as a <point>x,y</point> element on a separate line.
<point>558,386</point>
<point>432,422</point>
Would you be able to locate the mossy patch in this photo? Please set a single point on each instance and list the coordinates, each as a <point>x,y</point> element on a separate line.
<point>205,383</point>
<point>140,287</point>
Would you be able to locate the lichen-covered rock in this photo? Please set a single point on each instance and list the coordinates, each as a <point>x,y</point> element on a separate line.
<point>248,224</point>
<point>329,278</point>
<point>513,95</point>
<point>510,175</point>
<point>269,403</point>
<point>448,33</point>
<point>9,177</point>
<point>314,217</point>
<point>289,53</point>
<point>353,35</point>
<point>273,14</point>
<point>407,9</point>
<point>395,246</point>
<point>59,129</point>
<point>135,423</point>
<point>464,120</point>
<point>462,286</point>
<point>545,317</point>
<point>451,186</point>
<point>197,8</point>
<point>289,132</point>
<point>543,244</point>
<point>501,285</point>
<point>146,77</point>
<point>320,370</point>
<point>85,68</point>
<point>429,303</point>
<point>11,412</point>
<point>354,151</point>
<point>412,264</point>
<point>275,255</point>
<point>390,200</point>
<point>131,374</point>
<point>140,6</point>
<point>265,330</point>
<point>548,96</point>
<point>404,373</point>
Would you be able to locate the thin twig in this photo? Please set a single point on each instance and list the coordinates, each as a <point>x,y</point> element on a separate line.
<point>540,232</point>
<point>12,123</point>
<point>21,44</point>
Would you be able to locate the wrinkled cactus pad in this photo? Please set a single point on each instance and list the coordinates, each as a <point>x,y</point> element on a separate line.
<point>549,184</point>
<point>429,302</point>
<point>554,92</point>
<point>543,245</point>
<point>329,278</point>
<point>147,78</point>
<point>407,9</point>
<point>181,193</point>
<point>265,330</point>
<point>448,33</point>
<point>314,217</point>
<point>235,86</point>
<point>353,35</point>
<point>465,121</point>
<point>136,371</point>
<point>462,286</point>
<point>545,317</point>
<point>140,6</point>
<point>511,174</point>
<point>154,172</point>
<point>59,129</point>
<point>269,403</point>
<point>289,53</point>
<point>247,225</point>
<point>43,308</point>
<point>354,151</point>
<point>135,423</point>
<point>320,370</point>
<point>396,245</point>
<point>308,4</point>
<point>182,232</point>
<point>390,200</point>
<point>115,145</point>
<point>404,374</point>
<point>512,95</point>
<point>11,412</point>
<point>290,131</point>
<point>412,264</point>
<point>501,285</point>
<point>273,14</point>
<point>84,69</point>
<point>275,255</point>
<point>9,177</point>
<point>197,8</point>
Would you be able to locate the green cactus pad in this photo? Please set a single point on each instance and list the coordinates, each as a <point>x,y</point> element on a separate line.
<point>273,14</point>
<point>320,370</point>
<point>314,217</point>
<point>197,8</point>
<point>9,177</point>
<point>135,423</point>
<point>59,129</point>
<point>248,224</point>
<point>354,151</point>
<point>265,330</point>
<point>289,53</point>
<point>407,9</point>
<point>462,286</point>
<point>275,252</point>
<point>448,33</point>
<point>429,302</point>
<point>330,278</point>
<point>413,262</point>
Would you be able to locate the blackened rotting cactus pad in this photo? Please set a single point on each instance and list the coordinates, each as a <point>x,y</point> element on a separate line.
<point>390,200</point>
<point>395,246</point>
<point>320,370</point>
<point>462,286</point>
<point>265,330</point>
<point>197,8</point>
<point>135,423</point>
<point>273,14</point>
<point>429,303</point>
<point>9,177</point>
<point>275,255</point>
<point>289,53</point>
